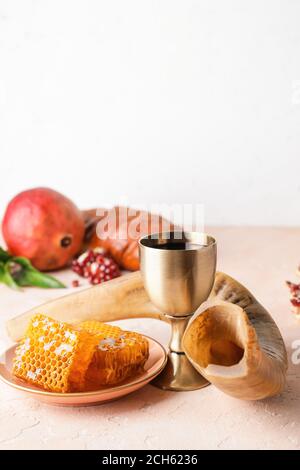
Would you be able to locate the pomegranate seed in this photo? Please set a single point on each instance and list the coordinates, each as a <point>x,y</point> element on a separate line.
<point>295,302</point>
<point>294,288</point>
<point>82,258</point>
<point>75,283</point>
<point>96,266</point>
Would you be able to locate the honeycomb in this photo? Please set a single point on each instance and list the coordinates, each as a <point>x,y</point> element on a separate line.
<point>54,355</point>
<point>103,329</point>
<point>119,354</point>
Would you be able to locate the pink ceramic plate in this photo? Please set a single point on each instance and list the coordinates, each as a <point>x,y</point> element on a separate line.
<point>155,364</point>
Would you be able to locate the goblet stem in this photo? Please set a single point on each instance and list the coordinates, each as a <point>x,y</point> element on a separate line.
<point>179,374</point>
<point>178,325</point>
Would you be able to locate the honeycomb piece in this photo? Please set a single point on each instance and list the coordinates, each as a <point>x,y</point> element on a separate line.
<point>119,355</point>
<point>54,355</point>
<point>100,328</point>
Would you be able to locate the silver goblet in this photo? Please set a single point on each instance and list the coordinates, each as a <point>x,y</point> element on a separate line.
<point>178,270</point>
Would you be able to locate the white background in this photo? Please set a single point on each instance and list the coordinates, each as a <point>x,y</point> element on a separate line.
<point>154,101</point>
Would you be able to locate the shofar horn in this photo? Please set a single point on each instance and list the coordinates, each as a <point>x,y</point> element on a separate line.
<point>231,339</point>
<point>235,344</point>
<point>120,298</point>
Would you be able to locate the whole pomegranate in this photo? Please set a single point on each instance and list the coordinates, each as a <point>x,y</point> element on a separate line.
<point>44,226</point>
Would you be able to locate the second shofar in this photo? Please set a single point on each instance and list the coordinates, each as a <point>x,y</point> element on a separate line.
<point>231,340</point>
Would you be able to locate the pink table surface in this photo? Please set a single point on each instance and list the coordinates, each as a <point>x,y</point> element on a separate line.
<point>262,259</point>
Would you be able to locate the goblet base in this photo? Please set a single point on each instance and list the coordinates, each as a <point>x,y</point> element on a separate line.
<point>179,375</point>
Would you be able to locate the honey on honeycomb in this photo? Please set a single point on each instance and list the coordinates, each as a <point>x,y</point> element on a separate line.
<point>54,355</point>
<point>102,329</point>
<point>119,354</point>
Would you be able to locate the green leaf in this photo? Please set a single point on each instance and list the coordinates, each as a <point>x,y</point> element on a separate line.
<point>28,277</point>
<point>6,277</point>
<point>18,271</point>
<point>4,255</point>
<point>24,262</point>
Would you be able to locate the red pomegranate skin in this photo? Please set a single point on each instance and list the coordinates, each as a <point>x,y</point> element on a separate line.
<point>44,226</point>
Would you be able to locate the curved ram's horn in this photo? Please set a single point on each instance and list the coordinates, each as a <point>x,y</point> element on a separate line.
<point>235,344</point>
<point>120,298</point>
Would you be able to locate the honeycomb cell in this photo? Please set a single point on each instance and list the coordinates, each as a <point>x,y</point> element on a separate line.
<point>119,354</point>
<point>44,334</point>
